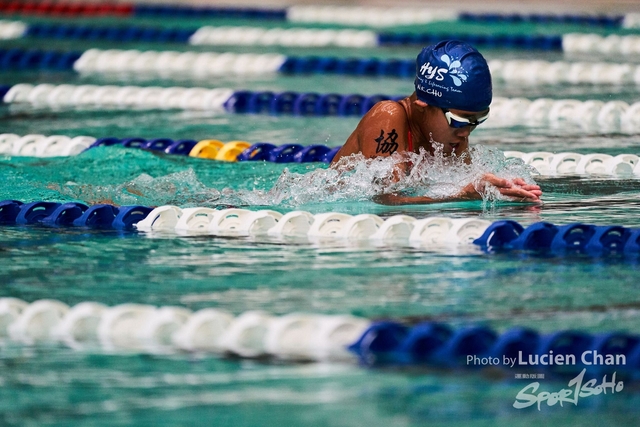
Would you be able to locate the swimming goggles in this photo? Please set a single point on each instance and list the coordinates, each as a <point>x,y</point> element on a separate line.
<point>458,122</point>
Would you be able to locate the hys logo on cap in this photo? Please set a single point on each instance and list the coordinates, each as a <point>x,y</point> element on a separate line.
<point>454,70</point>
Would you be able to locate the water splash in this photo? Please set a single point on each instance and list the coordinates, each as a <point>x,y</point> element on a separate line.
<point>353,178</point>
<point>356,178</point>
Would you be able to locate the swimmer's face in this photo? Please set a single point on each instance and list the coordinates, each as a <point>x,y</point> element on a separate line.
<point>454,139</point>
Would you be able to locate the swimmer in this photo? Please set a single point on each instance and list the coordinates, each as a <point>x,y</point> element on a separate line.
<point>452,97</point>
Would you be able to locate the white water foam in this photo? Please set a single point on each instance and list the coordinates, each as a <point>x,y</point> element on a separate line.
<point>356,178</point>
<point>353,178</point>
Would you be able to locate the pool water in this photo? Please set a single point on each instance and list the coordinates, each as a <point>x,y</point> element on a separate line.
<point>50,385</point>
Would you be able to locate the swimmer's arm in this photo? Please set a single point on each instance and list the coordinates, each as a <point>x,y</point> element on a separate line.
<point>392,199</point>
<point>517,190</point>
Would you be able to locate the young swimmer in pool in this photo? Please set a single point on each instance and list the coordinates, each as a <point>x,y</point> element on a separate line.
<point>452,96</point>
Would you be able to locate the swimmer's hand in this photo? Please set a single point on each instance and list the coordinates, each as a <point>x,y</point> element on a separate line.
<point>517,190</point>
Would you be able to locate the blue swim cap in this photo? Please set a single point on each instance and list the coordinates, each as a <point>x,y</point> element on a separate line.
<point>452,74</point>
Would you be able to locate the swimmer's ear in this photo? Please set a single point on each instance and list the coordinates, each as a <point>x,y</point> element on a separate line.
<point>421,104</point>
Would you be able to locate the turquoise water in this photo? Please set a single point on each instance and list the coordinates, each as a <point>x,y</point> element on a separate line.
<point>56,386</point>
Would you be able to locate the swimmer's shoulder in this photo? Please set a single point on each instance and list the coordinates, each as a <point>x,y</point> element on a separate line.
<point>389,116</point>
<point>388,109</point>
<point>381,132</point>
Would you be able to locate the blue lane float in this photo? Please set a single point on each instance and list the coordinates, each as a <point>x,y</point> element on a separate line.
<point>264,151</point>
<point>610,21</point>
<point>35,59</point>
<point>72,214</point>
<point>167,145</point>
<point>9,210</point>
<point>65,214</point>
<point>35,212</point>
<point>570,238</point>
<point>173,11</point>
<point>288,153</point>
<point>97,216</point>
<point>109,33</point>
<point>303,104</point>
<point>439,345</point>
<point>510,41</point>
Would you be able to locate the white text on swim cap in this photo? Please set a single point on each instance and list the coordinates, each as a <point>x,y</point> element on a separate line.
<point>430,91</point>
<point>429,71</point>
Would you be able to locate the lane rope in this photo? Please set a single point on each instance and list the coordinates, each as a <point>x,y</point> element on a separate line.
<point>431,234</point>
<point>346,15</point>
<point>545,163</point>
<point>610,116</point>
<point>311,37</point>
<point>295,337</point>
<point>168,63</point>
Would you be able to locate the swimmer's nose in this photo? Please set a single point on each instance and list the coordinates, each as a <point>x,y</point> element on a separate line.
<point>464,131</point>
